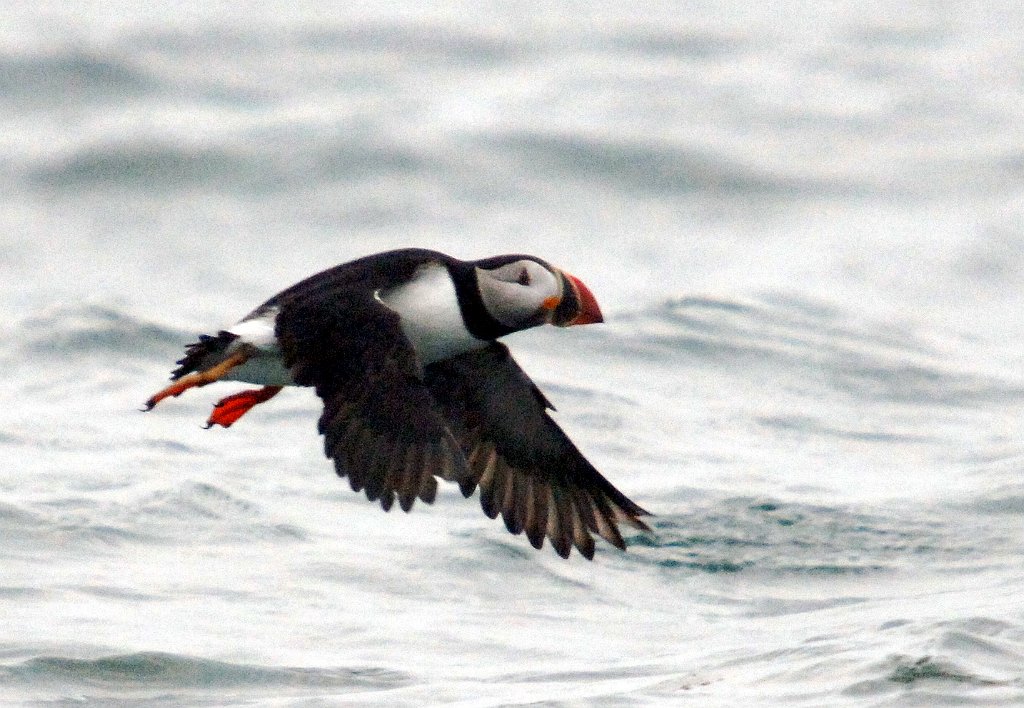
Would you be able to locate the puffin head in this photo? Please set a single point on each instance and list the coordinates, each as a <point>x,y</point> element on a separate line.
<point>522,291</point>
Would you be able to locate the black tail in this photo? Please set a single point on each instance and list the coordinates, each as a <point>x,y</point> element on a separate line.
<point>203,354</point>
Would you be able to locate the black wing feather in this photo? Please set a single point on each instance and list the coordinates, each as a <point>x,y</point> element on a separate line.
<point>379,420</point>
<point>525,465</point>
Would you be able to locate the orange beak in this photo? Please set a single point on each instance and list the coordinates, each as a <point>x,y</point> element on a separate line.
<point>578,305</point>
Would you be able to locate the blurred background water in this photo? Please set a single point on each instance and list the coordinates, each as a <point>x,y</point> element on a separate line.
<point>804,222</point>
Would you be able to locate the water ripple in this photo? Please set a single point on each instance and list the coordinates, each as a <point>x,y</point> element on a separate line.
<point>126,672</point>
<point>69,331</point>
<point>72,76</point>
<point>742,535</point>
<point>652,168</point>
<point>817,344</point>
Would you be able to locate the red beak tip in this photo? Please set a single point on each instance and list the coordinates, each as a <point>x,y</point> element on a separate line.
<point>590,311</point>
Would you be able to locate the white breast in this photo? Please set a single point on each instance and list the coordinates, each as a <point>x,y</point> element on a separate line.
<point>431,317</point>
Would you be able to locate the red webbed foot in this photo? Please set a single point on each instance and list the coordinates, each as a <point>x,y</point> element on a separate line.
<point>228,410</point>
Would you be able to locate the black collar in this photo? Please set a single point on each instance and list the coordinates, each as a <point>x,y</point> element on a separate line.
<point>475,316</point>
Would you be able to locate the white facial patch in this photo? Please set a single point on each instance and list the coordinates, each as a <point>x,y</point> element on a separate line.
<point>431,316</point>
<point>515,293</point>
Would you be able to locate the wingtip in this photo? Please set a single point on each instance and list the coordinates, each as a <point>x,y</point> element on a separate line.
<point>639,524</point>
<point>562,546</point>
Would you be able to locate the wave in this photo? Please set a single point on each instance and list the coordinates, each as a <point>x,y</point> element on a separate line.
<point>75,526</point>
<point>745,535</point>
<point>969,657</point>
<point>214,513</point>
<point>109,675</point>
<point>72,76</point>
<point>646,167</point>
<point>810,346</point>
<point>424,43</point>
<point>67,331</point>
<point>243,163</point>
<point>678,44</point>
<point>145,164</point>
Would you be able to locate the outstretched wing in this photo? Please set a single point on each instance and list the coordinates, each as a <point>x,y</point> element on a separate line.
<point>526,467</point>
<point>380,424</point>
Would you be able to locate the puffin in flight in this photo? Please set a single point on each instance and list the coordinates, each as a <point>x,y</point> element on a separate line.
<point>403,348</point>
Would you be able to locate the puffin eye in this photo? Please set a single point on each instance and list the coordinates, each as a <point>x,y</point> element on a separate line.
<point>524,277</point>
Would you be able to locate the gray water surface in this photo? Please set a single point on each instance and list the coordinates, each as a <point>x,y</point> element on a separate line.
<point>805,227</point>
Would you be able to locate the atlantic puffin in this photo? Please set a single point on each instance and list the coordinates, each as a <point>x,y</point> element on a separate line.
<point>403,348</point>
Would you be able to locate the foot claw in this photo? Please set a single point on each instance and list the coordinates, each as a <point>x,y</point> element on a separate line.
<point>201,378</point>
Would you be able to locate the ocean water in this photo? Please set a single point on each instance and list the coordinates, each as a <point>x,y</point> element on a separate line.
<point>804,222</point>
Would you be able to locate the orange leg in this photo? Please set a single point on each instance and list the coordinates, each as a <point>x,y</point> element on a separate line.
<point>228,410</point>
<point>200,378</point>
